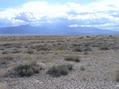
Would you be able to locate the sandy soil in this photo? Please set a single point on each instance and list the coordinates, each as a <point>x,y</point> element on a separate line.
<point>97,69</point>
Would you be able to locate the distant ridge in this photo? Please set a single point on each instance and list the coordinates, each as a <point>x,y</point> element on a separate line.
<point>54,30</point>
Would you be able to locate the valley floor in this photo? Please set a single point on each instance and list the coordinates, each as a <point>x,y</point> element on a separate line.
<point>94,60</point>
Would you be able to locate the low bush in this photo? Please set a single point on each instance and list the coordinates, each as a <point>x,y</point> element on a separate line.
<point>104,48</point>
<point>77,49</point>
<point>60,70</point>
<point>30,51</point>
<point>72,58</point>
<point>82,49</point>
<point>41,47</point>
<point>117,76</point>
<point>27,70</point>
<point>82,68</point>
<point>4,61</point>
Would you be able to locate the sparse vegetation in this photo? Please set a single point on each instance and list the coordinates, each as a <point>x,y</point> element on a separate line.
<point>110,35</point>
<point>60,70</point>
<point>104,47</point>
<point>82,49</point>
<point>86,53</point>
<point>117,76</point>
<point>4,61</point>
<point>27,70</point>
<point>30,51</point>
<point>60,60</point>
<point>41,47</point>
<point>82,68</point>
<point>77,49</point>
<point>72,58</point>
<point>4,52</point>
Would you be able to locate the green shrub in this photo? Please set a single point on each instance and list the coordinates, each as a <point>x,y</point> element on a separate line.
<point>60,70</point>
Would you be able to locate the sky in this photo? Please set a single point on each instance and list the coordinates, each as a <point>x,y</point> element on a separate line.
<point>13,3</point>
<point>102,14</point>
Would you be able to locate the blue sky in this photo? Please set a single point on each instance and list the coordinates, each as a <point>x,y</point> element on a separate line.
<point>11,3</point>
<point>14,3</point>
<point>80,13</point>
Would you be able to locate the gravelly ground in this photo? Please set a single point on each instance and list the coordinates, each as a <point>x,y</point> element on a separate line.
<point>99,65</point>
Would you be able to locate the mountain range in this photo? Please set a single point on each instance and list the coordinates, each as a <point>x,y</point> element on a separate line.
<point>49,29</point>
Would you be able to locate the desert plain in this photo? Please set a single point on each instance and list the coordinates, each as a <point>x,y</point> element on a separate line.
<point>59,62</point>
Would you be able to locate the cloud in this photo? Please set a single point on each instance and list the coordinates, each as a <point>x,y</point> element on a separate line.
<point>100,14</point>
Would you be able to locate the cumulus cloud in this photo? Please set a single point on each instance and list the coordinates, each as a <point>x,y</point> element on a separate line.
<point>100,14</point>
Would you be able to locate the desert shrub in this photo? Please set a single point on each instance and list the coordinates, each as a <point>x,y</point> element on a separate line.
<point>4,61</point>
<point>87,36</point>
<point>82,49</point>
<point>81,37</point>
<point>104,48</point>
<point>82,68</point>
<point>60,47</point>
<point>87,49</point>
<point>11,51</point>
<point>30,51</point>
<point>77,49</point>
<point>27,70</point>
<point>41,47</point>
<point>60,70</point>
<point>7,45</point>
<point>86,53</point>
<point>72,58</point>
<point>117,76</point>
<point>5,52</point>
<point>15,51</point>
<point>110,36</point>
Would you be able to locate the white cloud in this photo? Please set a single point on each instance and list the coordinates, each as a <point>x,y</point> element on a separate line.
<point>102,14</point>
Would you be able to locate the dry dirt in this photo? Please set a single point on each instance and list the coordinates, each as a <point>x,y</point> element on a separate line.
<point>97,69</point>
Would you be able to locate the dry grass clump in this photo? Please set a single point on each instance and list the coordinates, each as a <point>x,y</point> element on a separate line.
<point>28,69</point>
<point>72,58</point>
<point>60,70</point>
